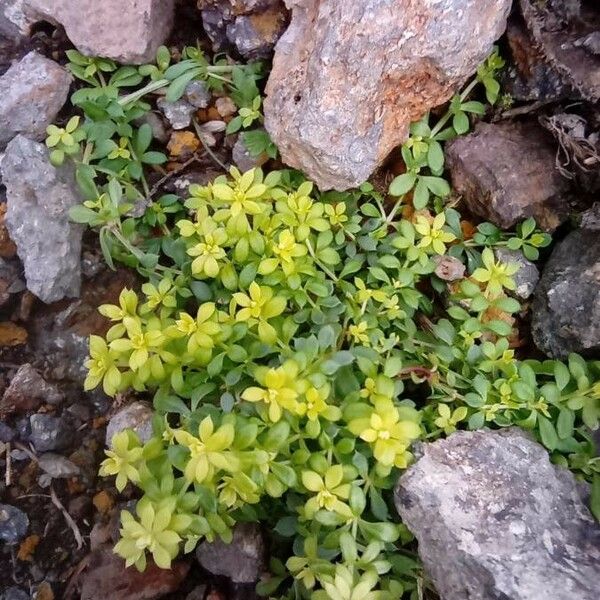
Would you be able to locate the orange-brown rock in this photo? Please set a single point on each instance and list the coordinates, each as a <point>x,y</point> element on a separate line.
<point>349,77</point>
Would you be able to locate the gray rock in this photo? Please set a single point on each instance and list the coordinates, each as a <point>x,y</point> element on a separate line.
<point>128,32</point>
<point>449,268</point>
<point>13,524</point>
<point>10,282</point>
<point>591,218</point>
<point>558,28</point>
<point>348,78</point>
<point>529,76</point>
<point>179,113</point>
<point>27,391</point>
<point>251,27</point>
<point>32,92</point>
<point>57,466</point>
<point>15,593</point>
<point>526,277</point>
<point>506,172</point>
<point>226,106</point>
<point>197,94</point>
<point>6,433</point>
<point>242,158</point>
<point>566,306</point>
<point>50,433</point>
<point>39,197</point>
<point>495,520</point>
<point>136,416</point>
<point>242,561</point>
<point>13,23</point>
<point>254,36</point>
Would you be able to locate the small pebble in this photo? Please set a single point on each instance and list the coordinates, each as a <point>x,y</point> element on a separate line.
<point>13,524</point>
<point>197,94</point>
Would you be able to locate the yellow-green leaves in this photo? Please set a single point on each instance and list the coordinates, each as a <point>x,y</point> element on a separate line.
<point>388,435</point>
<point>433,235</point>
<point>448,419</point>
<point>155,532</point>
<point>209,251</point>
<point>208,451</point>
<point>123,459</point>
<point>201,331</point>
<point>279,391</point>
<point>102,367</point>
<point>495,274</point>
<point>330,492</point>
<point>257,307</point>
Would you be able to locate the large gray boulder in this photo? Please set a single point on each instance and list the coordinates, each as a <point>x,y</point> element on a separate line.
<point>495,520</point>
<point>39,197</point>
<point>32,92</point>
<point>348,78</point>
<point>565,315</point>
<point>128,32</point>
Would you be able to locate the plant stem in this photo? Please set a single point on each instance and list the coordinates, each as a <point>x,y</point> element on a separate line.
<point>153,86</point>
<point>326,270</point>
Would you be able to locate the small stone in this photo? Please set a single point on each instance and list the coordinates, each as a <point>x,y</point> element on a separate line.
<point>197,94</point>
<point>6,433</point>
<point>31,93</point>
<point>565,315</point>
<point>11,334</point>
<point>28,390</point>
<point>448,268</point>
<point>242,157</point>
<point>590,219</point>
<point>106,577</point>
<point>27,547</point>
<point>526,277</point>
<point>7,246</point>
<point>251,27</point>
<point>136,416</point>
<point>506,173</point>
<point>99,535</point>
<point>128,32</point>
<point>226,106</point>
<point>495,519</point>
<point>183,144</point>
<point>179,113</point>
<point>57,466</point>
<point>39,197</point>
<point>13,524</point>
<point>590,42</point>
<point>348,78</point>
<point>49,433</point>
<point>15,593</point>
<point>9,281</point>
<point>255,35</point>
<point>242,561</point>
<point>103,502</point>
<point>44,592</point>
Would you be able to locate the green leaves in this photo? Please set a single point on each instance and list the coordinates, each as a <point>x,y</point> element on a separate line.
<point>297,342</point>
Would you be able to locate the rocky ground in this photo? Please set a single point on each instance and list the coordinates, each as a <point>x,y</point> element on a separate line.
<point>536,156</point>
